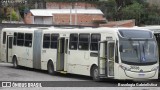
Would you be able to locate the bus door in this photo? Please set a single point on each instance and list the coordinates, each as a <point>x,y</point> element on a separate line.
<point>62,50</point>
<point>110,59</point>
<point>101,59</point>
<point>106,59</point>
<point>9,48</point>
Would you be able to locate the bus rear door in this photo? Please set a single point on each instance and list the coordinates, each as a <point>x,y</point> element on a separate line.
<point>62,51</point>
<point>9,48</point>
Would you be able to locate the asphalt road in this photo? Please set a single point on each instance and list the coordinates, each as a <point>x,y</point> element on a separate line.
<point>61,81</point>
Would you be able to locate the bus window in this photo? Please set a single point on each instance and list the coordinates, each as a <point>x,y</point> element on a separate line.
<point>10,42</point>
<point>111,51</point>
<point>73,41</point>
<point>20,39</point>
<point>15,39</point>
<point>95,38</point>
<point>28,40</point>
<point>46,41</point>
<point>84,41</point>
<point>54,40</point>
<point>4,37</point>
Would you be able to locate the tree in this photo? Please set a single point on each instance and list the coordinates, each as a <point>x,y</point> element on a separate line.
<point>133,11</point>
<point>14,16</point>
<point>108,8</point>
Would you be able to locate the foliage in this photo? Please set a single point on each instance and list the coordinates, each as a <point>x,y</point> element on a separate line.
<point>133,11</point>
<point>108,8</point>
<point>113,9</point>
<point>14,16</point>
<point>4,15</point>
<point>130,9</point>
<point>71,0</point>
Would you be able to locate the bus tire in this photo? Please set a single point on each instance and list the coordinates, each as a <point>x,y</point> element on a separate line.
<point>94,74</point>
<point>50,68</point>
<point>15,62</point>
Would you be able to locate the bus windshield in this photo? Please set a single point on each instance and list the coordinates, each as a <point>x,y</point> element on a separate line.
<point>138,52</point>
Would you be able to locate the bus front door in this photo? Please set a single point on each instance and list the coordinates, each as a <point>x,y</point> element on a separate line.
<point>106,59</point>
<point>9,49</point>
<point>101,59</point>
<point>110,59</point>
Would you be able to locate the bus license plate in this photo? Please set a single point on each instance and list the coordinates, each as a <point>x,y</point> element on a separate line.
<point>141,75</point>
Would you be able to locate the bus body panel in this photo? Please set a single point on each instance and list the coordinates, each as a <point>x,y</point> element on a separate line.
<point>24,54</point>
<point>79,62</point>
<point>6,47</point>
<point>3,48</point>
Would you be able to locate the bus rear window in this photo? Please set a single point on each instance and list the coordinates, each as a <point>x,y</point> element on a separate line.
<point>4,37</point>
<point>135,34</point>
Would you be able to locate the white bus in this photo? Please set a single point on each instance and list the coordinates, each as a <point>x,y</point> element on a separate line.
<point>117,53</point>
<point>156,31</point>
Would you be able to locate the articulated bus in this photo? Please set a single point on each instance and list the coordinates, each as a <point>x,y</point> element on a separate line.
<point>116,53</point>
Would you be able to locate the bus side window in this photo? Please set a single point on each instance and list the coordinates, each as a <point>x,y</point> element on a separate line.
<point>28,40</point>
<point>20,39</point>
<point>54,40</point>
<point>4,37</point>
<point>73,41</point>
<point>95,38</point>
<point>84,40</point>
<point>15,39</point>
<point>111,51</point>
<point>46,41</point>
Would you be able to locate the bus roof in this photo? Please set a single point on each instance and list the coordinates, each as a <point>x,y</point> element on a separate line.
<point>70,29</point>
<point>154,28</point>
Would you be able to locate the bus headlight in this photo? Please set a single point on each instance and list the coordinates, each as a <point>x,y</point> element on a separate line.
<point>155,69</point>
<point>125,68</point>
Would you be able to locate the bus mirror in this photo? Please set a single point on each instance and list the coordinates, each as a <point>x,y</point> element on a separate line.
<point>121,48</point>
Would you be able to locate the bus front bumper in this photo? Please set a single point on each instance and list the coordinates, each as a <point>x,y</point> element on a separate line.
<point>140,75</point>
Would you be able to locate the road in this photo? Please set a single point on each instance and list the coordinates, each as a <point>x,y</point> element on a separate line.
<point>60,81</point>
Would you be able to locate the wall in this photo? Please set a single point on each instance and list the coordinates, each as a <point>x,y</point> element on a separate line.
<point>28,18</point>
<point>123,23</point>
<point>64,19</point>
<point>77,19</point>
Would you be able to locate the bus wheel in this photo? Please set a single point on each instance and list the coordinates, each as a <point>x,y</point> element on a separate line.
<point>95,74</point>
<point>50,68</point>
<point>15,63</point>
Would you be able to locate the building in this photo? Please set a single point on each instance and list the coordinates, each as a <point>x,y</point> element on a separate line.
<point>88,17</point>
<point>154,2</point>
<point>69,5</point>
<point>72,13</point>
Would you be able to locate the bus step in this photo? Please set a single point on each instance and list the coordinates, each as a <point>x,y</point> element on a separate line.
<point>102,76</point>
<point>63,72</point>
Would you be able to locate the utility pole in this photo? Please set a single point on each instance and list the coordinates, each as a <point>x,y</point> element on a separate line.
<point>71,14</point>
<point>76,14</point>
<point>0,11</point>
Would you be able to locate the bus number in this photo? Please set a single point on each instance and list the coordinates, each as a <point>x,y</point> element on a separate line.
<point>135,67</point>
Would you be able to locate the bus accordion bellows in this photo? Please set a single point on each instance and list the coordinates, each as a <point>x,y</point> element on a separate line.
<point>116,53</point>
